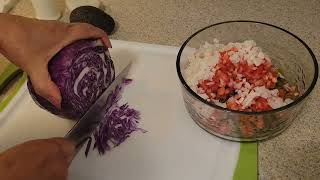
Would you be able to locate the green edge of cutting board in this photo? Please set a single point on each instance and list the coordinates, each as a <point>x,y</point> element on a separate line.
<point>10,69</point>
<point>6,73</point>
<point>247,165</point>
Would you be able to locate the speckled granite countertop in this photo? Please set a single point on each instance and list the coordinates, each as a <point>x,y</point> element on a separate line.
<point>295,154</point>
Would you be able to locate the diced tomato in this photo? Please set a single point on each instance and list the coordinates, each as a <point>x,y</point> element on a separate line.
<point>234,49</point>
<point>233,105</point>
<point>203,86</point>
<point>258,83</point>
<point>227,74</point>
<point>227,91</point>
<point>261,104</point>
<point>225,58</point>
<point>282,93</point>
<point>221,91</point>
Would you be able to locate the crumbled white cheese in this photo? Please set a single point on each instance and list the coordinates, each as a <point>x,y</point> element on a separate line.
<point>215,41</point>
<point>249,98</point>
<point>288,101</point>
<point>248,44</point>
<point>256,57</point>
<point>271,95</point>
<point>203,95</point>
<point>275,102</point>
<point>235,58</point>
<point>201,65</point>
<point>247,51</point>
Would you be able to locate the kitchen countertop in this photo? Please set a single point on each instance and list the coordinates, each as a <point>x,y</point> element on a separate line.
<point>295,154</point>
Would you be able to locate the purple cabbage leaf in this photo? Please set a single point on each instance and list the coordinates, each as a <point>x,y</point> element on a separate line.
<point>82,71</point>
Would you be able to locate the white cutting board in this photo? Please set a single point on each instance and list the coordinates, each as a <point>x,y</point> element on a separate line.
<point>174,146</point>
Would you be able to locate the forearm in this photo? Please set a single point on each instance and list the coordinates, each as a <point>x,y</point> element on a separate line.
<point>7,30</point>
<point>11,33</point>
<point>8,26</point>
<point>3,30</point>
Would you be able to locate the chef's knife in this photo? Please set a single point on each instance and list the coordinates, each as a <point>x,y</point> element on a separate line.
<point>83,129</point>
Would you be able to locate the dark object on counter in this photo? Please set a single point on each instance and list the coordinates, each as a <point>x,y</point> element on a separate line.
<point>93,16</point>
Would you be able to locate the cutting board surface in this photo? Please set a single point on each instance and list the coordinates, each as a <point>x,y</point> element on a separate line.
<point>174,146</point>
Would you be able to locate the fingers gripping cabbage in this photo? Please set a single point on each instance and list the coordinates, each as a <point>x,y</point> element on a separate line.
<point>82,71</point>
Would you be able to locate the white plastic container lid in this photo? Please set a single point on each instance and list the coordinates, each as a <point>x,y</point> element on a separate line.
<point>6,5</point>
<point>73,4</point>
<point>46,9</point>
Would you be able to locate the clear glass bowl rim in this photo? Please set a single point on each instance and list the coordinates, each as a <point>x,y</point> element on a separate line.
<point>297,101</point>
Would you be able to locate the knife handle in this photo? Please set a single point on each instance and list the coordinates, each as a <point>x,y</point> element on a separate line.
<point>78,145</point>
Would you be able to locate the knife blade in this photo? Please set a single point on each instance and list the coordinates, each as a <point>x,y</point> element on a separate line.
<point>83,129</point>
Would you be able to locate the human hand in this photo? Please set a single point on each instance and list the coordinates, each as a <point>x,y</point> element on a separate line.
<point>31,43</point>
<point>47,159</point>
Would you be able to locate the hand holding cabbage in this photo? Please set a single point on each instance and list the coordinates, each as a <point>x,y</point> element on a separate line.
<point>69,67</point>
<point>31,43</point>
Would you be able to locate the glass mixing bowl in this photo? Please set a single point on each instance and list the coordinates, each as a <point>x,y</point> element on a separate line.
<point>288,53</point>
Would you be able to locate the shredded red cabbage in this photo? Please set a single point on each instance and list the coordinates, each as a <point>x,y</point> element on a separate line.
<point>118,123</point>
